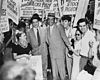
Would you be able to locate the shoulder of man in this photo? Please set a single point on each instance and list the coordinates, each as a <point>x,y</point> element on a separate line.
<point>60,26</point>
<point>91,33</point>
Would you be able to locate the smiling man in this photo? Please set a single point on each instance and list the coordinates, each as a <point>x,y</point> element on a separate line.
<point>88,36</point>
<point>37,38</point>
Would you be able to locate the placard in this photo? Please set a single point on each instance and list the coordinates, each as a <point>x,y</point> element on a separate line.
<point>81,10</point>
<point>13,10</point>
<point>97,15</point>
<point>35,63</point>
<point>4,27</point>
<point>38,4</point>
<point>54,8</point>
<point>26,8</point>
<point>47,4</point>
<point>70,7</point>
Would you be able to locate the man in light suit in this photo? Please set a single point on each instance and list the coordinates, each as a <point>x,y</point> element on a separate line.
<point>66,20</point>
<point>57,41</point>
<point>37,38</point>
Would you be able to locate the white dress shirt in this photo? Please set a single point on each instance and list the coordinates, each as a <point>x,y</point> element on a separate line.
<point>89,36</point>
<point>51,28</point>
<point>35,31</point>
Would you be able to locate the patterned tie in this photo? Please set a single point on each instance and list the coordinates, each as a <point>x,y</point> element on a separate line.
<point>38,37</point>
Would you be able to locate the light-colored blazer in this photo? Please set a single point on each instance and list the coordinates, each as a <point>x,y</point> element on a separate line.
<point>42,49</point>
<point>57,41</point>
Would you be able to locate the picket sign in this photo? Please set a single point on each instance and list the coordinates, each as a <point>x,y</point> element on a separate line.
<point>4,26</point>
<point>97,15</point>
<point>81,10</point>
<point>35,63</point>
<point>13,10</point>
<point>70,7</point>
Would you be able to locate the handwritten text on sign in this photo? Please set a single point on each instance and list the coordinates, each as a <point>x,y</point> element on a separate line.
<point>70,7</point>
<point>38,4</point>
<point>35,63</point>
<point>3,19</point>
<point>12,10</point>
<point>27,8</point>
<point>97,15</point>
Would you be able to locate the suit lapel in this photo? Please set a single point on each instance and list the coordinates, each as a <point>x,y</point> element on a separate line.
<point>54,30</point>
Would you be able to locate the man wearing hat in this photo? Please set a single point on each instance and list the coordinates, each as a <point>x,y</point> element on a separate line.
<point>37,39</point>
<point>57,41</point>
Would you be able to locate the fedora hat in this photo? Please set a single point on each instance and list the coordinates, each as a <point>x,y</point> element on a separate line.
<point>35,16</point>
<point>51,14</point>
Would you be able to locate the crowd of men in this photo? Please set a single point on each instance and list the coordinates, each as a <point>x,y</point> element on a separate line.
<point>70,48</point>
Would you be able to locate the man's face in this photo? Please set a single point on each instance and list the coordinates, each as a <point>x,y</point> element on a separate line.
<point>66,23</point>
<point>51,21</point>
<point>35,23</point>
<point>78,35</point>
<point>83,27</point>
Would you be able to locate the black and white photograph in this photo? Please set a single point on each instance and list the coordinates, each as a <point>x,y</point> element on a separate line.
<point>49,39</point>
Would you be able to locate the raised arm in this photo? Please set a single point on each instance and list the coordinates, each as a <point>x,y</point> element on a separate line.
<point>64,37</point>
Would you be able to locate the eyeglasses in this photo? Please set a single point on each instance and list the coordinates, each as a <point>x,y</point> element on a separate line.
<point>77,34</point>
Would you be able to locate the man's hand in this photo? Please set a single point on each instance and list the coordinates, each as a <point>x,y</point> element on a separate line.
<point>35,51</point>
<point>90,44</point>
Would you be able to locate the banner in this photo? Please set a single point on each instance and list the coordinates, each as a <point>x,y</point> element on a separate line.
<point>13,10</point>
<point>81,10</point>
<point>3,19</point>
<point>38,4</point>
<point>70,7</point>
<point>26,8</point>
<point>54,8</point>
<point>97,15</point>
<point>47,4</point>
<point>35,63</point>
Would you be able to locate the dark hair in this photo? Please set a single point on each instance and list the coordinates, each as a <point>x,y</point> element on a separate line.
<point>66,17</point>
<point>35,16</point>
<point>78,30</point>
<point>18,35</point>
<point>21,25</point>
<point>82,20</point>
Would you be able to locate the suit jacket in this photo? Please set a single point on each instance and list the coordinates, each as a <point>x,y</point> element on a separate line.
<point>42,49</point>
<point>57,41</point>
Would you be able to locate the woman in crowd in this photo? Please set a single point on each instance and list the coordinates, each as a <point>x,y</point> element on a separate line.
<point>89,72</point>
<point>76,56</point>
<point>22,26</point>
<point>22,49</point>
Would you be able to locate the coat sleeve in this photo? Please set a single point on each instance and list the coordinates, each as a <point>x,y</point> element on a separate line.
<point>64,37</point>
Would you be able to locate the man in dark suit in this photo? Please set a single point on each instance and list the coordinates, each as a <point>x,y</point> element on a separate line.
<point>57,41</point>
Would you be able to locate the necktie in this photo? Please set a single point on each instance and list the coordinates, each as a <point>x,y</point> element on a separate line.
<point>38,37</point>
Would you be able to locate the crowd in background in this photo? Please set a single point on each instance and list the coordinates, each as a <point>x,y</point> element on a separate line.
<point>74,51</point>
